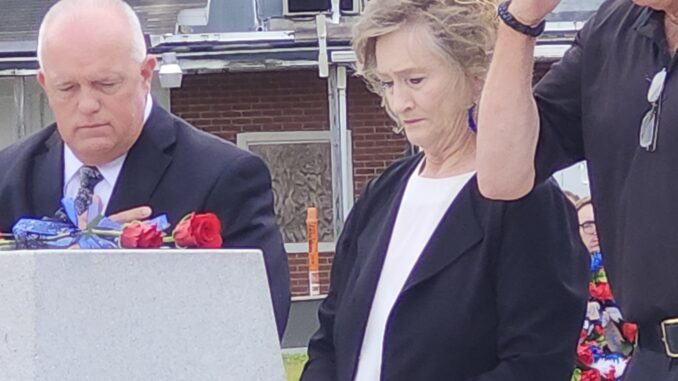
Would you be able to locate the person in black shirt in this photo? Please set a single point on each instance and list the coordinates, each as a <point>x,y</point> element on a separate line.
<point>608,101</point>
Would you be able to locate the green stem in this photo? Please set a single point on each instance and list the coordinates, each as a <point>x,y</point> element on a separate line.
<point>105,233</point>
<point>55,237</point>
<point>91,227</point>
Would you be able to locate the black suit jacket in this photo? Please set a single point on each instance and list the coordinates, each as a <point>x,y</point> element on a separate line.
<point>498,293</point>
<point>174,168</point>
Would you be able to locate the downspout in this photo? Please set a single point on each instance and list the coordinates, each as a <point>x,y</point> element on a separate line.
<point>19,106</point>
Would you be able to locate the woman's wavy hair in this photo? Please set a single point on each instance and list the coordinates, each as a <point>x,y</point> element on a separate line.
<point>464,32</point>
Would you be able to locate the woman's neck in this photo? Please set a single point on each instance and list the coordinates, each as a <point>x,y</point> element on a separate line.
<point>454,160</point>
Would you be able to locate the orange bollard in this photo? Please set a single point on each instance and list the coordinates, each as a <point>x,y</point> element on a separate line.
<point>313,262</point>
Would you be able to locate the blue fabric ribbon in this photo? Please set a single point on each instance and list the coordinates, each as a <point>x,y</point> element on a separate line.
<point>31,233</point>
<point>43,234</point>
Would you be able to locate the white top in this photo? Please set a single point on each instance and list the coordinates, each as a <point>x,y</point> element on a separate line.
<point>424,203</point>
<point>110,171</point>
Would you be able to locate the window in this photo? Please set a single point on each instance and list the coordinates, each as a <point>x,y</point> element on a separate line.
<point>301,171</point>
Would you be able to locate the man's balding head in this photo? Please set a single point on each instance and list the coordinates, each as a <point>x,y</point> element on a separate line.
<point>96,74</point>
<point>81,10</point>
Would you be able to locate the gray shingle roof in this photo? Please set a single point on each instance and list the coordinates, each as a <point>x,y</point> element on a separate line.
<point>20,19</point>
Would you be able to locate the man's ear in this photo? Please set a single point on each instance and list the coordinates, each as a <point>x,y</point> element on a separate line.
<point>147,69</point>
<point>41,79</point>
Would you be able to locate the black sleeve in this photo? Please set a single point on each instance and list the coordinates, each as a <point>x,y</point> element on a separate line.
<point>558,96</point>
<point>244,200</point>
<point>321,365</point>
<point>541,285</point>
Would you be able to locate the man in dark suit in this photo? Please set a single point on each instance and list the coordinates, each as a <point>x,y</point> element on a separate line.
<point>97,77</point>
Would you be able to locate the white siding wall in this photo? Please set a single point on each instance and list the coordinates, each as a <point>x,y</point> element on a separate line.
<point>574,179</point>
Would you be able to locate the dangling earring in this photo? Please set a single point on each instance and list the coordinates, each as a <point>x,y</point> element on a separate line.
<point>471,118</point>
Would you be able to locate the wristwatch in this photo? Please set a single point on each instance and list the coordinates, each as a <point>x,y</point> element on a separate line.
<point>516,25</point>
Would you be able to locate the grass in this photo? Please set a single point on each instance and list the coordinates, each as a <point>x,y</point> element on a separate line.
<point>294,364</point>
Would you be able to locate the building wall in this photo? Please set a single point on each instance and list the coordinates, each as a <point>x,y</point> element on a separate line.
<point>298,263</point>
<point>226,104</point>
<point>229,103</point>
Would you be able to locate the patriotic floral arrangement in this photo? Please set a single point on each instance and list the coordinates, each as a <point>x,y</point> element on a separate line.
<point>100,232</point>
<point>606,341</point>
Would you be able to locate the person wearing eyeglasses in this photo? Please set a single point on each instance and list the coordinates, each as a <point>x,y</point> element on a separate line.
<point>610,101</point>
<point>587,224</point>
<point>606,341</point>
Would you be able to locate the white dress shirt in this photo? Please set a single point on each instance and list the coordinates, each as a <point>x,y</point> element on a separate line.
<point>110,171</point>
<point>424,203</point>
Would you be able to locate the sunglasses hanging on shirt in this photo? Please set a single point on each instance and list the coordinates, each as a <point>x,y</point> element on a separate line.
<point>650,123</point>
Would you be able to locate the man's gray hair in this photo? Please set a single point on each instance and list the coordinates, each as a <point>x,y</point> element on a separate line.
<point>65,7</point>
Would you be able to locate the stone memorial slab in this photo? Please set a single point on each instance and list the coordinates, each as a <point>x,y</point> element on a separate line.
<point>137,315</point>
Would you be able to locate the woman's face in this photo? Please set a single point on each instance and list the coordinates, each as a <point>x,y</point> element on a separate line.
<point>426,93</point>
<point>587,228</point>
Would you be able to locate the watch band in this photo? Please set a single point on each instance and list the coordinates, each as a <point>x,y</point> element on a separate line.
<point>516,25</point>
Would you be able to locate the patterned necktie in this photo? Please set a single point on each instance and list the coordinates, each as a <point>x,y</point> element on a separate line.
<point>89,178</point>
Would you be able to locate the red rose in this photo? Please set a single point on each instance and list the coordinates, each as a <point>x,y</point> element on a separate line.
<point>600,291</point>
<point>199,230</point>
<point>584,355</point>
<point>590,375</point>
<point>630,332</point>
<point>139,235</point>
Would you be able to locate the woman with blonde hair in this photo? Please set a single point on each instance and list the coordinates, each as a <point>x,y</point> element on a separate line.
<point>431,281</point>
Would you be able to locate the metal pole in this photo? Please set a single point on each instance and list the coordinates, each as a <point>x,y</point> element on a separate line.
<point>335,148</point>
<point>323,60</point>
<point>19,106</point>
<point>336,12</point>
<point>346,159</point>
<point>342,178</point>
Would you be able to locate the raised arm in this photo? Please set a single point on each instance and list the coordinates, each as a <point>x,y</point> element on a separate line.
<point>508,118</point>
